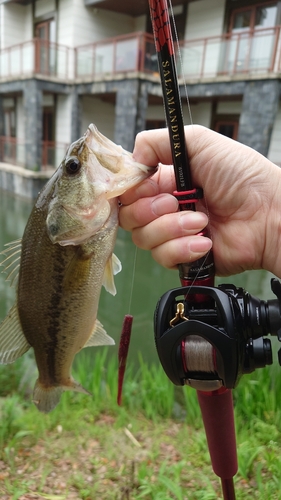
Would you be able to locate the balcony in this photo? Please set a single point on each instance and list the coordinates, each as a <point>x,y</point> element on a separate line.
<point>254,54</point>
<point>232,54</point>
<point>13,151</point>
<point>36,57</point>
<point>124,54</point>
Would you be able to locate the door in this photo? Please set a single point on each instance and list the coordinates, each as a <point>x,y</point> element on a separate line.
<point>45,47</point>
<point>48,145</point>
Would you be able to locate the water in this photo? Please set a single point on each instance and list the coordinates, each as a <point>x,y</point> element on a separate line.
<point>150,282</point>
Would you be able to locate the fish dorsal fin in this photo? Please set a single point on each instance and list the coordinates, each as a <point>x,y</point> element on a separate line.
<point>12,340</point>
<point>11,263</point>
<point>99,336</point>
<point>113,266</point>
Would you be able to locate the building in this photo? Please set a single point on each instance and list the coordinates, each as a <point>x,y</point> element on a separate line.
<point>67,63</point>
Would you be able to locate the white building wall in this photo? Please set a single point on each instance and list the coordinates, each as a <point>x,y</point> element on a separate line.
<point>101,113</point>
<point>43,7</point>
<point>139,23</point>
<point>15,24</point>
<point>199,59</point>
<point>229,108</point>
<point>28,25</point>
<point>65,21</point>
<point>62,127</point>
<point>80,25</point>
<point>201,114</point>
<point>204,19</point>
<point>63,119</point>
<point>274,153</point>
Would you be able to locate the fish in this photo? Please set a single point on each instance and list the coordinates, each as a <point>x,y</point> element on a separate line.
<point>64,258</point>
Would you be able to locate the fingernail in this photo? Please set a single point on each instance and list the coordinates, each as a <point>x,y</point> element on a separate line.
<point>164,204</point>
<point>193,220</point>
<point>200,244</point>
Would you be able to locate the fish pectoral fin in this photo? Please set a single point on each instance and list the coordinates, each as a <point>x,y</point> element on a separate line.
<point>113,266</point>
<point>13,343</point>
<point>99,336</point>
<point>11,262</point>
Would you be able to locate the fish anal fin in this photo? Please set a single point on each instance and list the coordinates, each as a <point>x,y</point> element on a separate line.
<point>113,266</point>
<point>47,398</point>
<point>99,336</point>
<point>13,343</point>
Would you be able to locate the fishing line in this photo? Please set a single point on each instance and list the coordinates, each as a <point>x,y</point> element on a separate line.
<point>181,62</point>
<point>133,279</point>
<point>125,338</point>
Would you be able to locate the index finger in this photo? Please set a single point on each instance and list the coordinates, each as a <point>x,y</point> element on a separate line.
<point>152,147</point>
<point>163,181</point>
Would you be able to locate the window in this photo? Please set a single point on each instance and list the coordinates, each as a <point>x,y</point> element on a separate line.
<point>254,17</point>
<point>251,42</point>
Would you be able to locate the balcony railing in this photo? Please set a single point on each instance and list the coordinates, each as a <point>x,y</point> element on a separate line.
<point>231,54</point>
<point>35,57</point>
<point>13,151</point>
<point>123,54</point>
<point>254,52</point>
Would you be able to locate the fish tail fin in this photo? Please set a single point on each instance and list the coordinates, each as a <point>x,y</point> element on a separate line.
<point>47,398</point>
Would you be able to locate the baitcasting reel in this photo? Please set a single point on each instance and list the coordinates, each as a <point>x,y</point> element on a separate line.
<point>209,338</point>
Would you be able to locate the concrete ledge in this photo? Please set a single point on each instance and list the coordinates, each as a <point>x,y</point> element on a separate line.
<point>22,181</point>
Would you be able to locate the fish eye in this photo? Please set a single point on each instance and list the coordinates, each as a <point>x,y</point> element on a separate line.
<point>73,166</point>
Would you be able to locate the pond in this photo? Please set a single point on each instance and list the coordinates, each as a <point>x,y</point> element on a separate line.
<point>143,290</point>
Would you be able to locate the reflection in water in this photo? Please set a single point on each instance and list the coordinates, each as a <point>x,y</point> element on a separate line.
<point>150,282</point>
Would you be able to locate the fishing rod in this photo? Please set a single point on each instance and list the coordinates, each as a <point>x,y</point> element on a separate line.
<point>216,405</point>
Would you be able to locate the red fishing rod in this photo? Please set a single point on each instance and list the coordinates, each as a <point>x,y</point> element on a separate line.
<point>214,399</point>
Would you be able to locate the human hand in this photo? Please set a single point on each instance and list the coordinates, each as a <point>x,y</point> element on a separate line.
<point>242,198</point>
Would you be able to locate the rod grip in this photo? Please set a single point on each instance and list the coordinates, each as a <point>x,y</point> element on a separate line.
<point>218,417</point>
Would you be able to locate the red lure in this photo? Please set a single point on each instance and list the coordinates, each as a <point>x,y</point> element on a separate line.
<point>123,353</point>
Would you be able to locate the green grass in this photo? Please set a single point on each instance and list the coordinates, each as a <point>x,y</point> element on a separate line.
<point>153,447</point>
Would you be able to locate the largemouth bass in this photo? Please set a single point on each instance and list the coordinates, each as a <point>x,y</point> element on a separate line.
<point>64,258</point>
